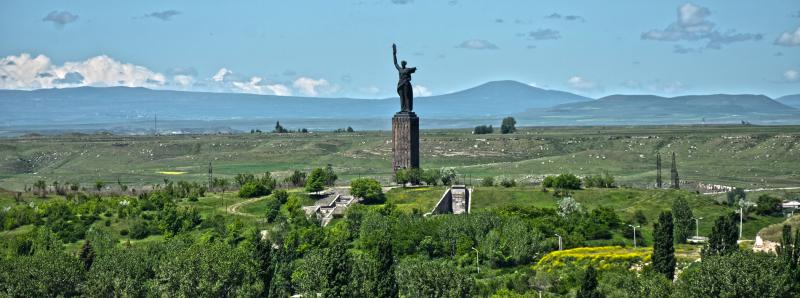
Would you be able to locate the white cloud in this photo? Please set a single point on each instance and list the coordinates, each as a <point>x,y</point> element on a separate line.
<point>421,91</point>
<point>544,34</point>
<point>183,80</point>
<point>789,39</point>
<point>692,25</point>
<point>27,72</point>
<point>791,75</point>
<point>477,44</point>
<point>314,87</point>
<point>60,18</point>
<point>254,86</point>
<point>220,75</point>
<point>656,86</point>
<point>580,83</point>
<point>370,90</point>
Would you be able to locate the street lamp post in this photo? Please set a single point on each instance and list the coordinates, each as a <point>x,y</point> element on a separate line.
<point>697,226</point>
<point>560,246</point>
<point>476,259</point>
<point>741,221</point>
<point>634,234</point>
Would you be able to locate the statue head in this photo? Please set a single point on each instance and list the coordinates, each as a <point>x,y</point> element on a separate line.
<point>403,63</point>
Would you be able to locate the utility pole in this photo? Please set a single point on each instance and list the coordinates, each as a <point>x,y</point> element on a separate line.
<point>476,260</point>
<point>658,170</point>
<point>697,226</point>
<point>741,221</point>
<point>560,245</point>
<point>155,124</point>
<point>634,234</point>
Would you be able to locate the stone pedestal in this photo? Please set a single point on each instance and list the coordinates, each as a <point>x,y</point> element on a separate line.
<point>405,141</point>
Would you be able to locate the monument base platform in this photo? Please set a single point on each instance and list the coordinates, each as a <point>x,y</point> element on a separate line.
<point>405,141</point>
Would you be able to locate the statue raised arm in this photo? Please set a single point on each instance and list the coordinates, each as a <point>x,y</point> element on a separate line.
<point>394,55</point>
<point>404,89</point>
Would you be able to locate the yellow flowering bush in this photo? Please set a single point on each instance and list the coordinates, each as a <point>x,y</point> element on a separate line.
<point>602,257</point>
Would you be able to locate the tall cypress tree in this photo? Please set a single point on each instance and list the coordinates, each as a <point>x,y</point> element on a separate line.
<point>87,255</point>
<point>386,281</point>
<point>663,246</point>
<point>722,240</point>
<point>683,219</point>
<point>589,284</point>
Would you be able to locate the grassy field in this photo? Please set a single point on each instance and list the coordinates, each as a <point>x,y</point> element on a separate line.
<point>745,156</point>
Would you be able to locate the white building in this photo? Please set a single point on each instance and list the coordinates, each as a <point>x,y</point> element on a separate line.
<point>791,205</point>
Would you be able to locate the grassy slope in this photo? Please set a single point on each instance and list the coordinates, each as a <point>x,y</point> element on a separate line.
<point>748,156</point>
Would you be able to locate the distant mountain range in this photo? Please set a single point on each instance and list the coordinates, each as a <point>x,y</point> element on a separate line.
<point>651,109</point>
<point>132,110</point>
<point>790,100</point>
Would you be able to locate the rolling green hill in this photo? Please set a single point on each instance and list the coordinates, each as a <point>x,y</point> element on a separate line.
<point>744,156</point>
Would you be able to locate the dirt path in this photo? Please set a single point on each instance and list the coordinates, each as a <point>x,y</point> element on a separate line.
<point>234,209</point>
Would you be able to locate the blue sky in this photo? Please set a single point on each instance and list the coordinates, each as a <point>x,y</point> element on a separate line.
<point>343,48</point>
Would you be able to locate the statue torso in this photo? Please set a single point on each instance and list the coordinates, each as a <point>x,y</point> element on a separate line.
<point>405,74</point>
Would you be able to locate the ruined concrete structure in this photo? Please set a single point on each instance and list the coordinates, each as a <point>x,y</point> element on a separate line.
<point>405,140</point>
<point>334,205</point>
<point>456,200</point>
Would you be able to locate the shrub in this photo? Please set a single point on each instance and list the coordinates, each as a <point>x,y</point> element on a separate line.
<point>768,205</point>
<point>508,125</point>
<point>483,129</point>
<point>508,182</point>
<point>549,181</point>
<point>123,232</point>
<point>139,230</point>
<point>253,189</point>
<point>487,181</point>
<point>367,189</point>
<point>563,181</point>
<point>602,257</point>
<point>600,181</point>
<point>431,176</point>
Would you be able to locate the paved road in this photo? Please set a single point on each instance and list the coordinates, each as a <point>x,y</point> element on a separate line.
<point>757,189</point>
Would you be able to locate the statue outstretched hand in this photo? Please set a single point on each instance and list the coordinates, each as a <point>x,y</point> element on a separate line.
<point>394,49</point>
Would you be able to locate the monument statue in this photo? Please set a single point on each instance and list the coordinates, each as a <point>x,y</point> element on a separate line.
<point>405,124</point>
<point>404,83</point>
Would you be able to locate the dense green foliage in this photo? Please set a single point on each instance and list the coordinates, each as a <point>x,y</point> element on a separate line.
<point>563,181</point>
<point>722,240</point>
<point>684,222</point>
<point>509,125</point>
<point>482,129</point>
<point>663,246</point>
<point>740,274</point>
<point>188,248</point>
<point>602,181</point>
<point>588,287</point>
<point>768,205</point>
<point>367,189</point>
